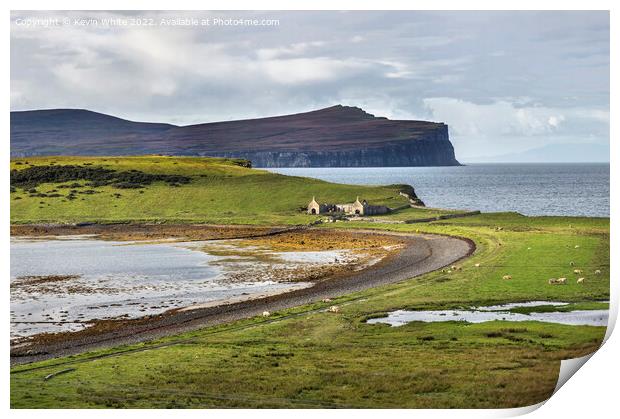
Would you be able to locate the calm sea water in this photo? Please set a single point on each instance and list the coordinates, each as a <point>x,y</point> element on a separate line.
<point>528,188</point>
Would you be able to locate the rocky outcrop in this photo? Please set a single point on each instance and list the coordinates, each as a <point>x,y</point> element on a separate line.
<point>408,192</point>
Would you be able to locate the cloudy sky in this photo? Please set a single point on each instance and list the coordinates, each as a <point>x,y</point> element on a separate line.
<point>504,82</point>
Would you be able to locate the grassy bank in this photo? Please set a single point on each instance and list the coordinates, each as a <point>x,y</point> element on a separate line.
<point>218,191</point>
<point>307,357</point>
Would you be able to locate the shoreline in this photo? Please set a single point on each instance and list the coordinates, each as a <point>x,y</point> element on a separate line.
<point>422,253</point>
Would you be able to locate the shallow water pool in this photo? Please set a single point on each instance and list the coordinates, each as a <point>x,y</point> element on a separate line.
<point>498,312</point>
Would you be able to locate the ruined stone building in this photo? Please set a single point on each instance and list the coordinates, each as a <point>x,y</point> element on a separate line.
<point>356,208</point>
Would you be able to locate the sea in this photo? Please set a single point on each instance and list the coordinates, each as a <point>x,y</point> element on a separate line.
<point>568,189</point>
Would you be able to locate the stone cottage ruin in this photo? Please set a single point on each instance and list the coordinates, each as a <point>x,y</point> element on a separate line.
<point>356,208</point>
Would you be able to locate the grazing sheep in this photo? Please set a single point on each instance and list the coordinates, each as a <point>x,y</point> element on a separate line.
<point>576,246</point>
<point>449,272</point>
<point>578,271</point>
<point>266,314</point>
<point>334,309</point>
<point>326,300</point>
<point>507,277</point>
<point>580,280</point>
<point>597,272</point>
<point>477,265</point>
<point>453,267</point>
<point>558,281</point>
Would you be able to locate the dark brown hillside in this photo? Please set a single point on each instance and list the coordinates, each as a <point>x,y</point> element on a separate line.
<point>334,136</point>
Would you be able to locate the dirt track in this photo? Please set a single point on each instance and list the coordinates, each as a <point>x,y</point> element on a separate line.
<point>422,254</point>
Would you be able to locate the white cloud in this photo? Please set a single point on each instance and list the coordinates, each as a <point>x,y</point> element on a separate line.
<point>495,119</point>
<point>304,70</point>
<point>295,49</point>
<point>555,121</point>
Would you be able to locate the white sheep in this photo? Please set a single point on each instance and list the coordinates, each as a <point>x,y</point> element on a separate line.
<point>580,280</point>
<point>597,272</point>
<point>578,271</point>
<point>507,277</point>
<point>266,314</point>
<point>576,246</point>
<point>558,281</point>
<point>334,309</point>
<point>477,265</point>
<point>326,300</point>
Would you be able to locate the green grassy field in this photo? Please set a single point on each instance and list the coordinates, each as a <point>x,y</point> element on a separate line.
<point>307,357</point>
<point>219,192</point>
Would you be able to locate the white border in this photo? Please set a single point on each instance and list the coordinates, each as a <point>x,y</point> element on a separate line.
<point>592,393</point>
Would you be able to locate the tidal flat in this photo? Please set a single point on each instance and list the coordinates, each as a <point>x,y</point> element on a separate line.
<point>66,283</point>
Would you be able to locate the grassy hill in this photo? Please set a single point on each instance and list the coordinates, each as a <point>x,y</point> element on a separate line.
<point>218,191</point>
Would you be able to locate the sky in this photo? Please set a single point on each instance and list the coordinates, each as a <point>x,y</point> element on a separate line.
<point>504,82</point>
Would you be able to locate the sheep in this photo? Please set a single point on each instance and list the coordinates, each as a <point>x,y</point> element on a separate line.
<point>580,280</point>
<point>507,277</point>
<point>477,265</point>
<point>578,271</point>
<point>597,272</point>
<point>576,246</point>
<point>266,314</point>
<point>572,263</point>
<point>558,281</point>
<point>453,267</point>
<point>334,309</point>
<point>326,300</point>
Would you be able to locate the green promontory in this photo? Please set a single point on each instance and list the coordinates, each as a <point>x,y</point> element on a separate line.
<point>171,189</point>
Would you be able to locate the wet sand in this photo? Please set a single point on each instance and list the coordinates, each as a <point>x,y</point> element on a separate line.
<point>419,255</point>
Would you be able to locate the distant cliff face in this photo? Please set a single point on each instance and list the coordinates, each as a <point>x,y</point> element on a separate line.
<point>434,150</point>
<point>338,136</point>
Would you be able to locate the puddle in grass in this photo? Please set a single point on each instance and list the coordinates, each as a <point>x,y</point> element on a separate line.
<point>60,284</point>
<point>498,312</point>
